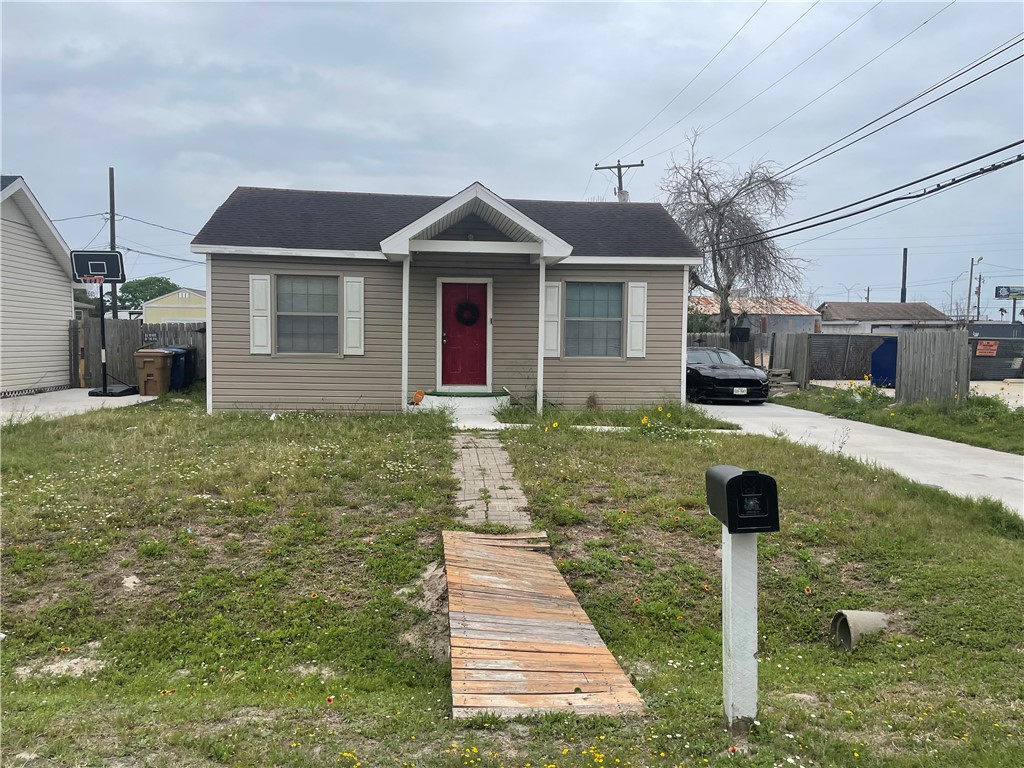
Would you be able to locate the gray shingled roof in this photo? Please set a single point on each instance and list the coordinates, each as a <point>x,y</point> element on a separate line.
<point>289,218</point>
<point>879,310</point>
<point>6,181</point>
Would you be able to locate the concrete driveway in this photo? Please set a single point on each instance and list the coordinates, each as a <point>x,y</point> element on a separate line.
<point>65,402</point>
<point>960,469</point>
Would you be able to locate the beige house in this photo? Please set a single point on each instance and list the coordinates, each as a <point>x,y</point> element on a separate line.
<point>36,299</point>
<point>340,300</point>
<point>185,305</point>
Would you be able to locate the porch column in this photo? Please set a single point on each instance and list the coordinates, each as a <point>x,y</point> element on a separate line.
<point>540,340</point>
<point>686,323</point>
<point>405,332</point>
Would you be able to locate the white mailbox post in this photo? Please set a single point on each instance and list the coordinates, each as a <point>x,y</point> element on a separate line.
<point>746,502</point>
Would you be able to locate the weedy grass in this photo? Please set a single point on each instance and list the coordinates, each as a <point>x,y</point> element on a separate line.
<point>673,414</point>
<point>630,531</point>
<point>981,420</point>
<point>226,586</point>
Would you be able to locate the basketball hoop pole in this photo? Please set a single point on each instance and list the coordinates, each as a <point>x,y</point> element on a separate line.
<point>98,280</point>
<point>103,338</point>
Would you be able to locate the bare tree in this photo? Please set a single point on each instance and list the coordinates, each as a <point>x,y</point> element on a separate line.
<point>725,211</point>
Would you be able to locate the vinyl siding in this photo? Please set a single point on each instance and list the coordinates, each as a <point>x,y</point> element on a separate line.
<point>373,381</point>
<point>35,307</point>
<point>568,381</point>
<point>241,381</point>
<point>621,383</point>
<point>175,309</point>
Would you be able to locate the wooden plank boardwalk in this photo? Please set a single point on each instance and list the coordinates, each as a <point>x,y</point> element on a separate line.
<point>521,643</point>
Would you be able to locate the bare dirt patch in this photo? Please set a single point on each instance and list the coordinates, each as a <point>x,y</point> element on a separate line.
<point>429,593</point>
<point>79,665</point>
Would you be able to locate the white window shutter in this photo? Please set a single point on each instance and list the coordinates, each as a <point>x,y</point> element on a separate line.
<point>636,328</point>
<point>259,315</point>
<point>552,319</point>
<point>354,315</point>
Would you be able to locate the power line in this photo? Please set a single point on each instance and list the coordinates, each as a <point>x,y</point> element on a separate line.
<point>671,101</point>
<point>162,255</point>
<point>716,91</point>
<point>941,187</point>
<point>84,216</point>
<point>895,189</point>
<point>163,272</point>
<point>160,226</point>
<point>829,90</point>
<point>779,80</point>
<point>800,165</point>
<point>917,250</point>
<point>99,231</point>
<point>930,237</point>
<point>937,191</point>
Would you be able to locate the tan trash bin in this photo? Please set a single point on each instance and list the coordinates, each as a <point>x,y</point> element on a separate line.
<point>153,367</point>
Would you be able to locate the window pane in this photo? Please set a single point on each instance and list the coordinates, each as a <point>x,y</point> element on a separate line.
<point>593,338</point>
<point>307,333</point>
<point>314,332</point>
<point>304,293</point>
<point>597,300</point>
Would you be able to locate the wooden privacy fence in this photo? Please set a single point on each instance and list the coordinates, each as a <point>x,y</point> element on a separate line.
<point>932,365</point>
<point>793,351</point>
<point>124,337</point>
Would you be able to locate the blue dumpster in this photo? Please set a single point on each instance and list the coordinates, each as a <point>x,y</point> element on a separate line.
<point>883,363</point>
<point>190,365</point>
<point>177,367</point>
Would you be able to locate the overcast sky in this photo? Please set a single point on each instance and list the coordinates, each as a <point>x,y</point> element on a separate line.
<point>188,101</point>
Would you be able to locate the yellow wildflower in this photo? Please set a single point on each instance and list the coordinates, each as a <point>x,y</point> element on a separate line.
<point>644,420</point>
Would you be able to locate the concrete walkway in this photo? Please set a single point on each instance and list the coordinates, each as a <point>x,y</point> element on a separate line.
<point>64,402</point>
<point>960,469</point>
<point>488,491</point>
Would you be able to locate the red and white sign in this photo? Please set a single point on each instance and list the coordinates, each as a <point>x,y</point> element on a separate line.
<point>987,348</point>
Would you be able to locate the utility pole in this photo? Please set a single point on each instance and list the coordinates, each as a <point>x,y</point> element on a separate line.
<point>621,193</point>
<point>868,297</point>
<point>977,294</point>
<point>970,281</point>
<point>903,288</point>
<point>113,247</point>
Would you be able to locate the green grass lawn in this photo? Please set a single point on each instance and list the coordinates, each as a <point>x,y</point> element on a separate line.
<point>226,588</point>
<point>671,414</point>
<point>980,420</point>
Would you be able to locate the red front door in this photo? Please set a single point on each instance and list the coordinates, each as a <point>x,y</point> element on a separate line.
<point>464,334</point>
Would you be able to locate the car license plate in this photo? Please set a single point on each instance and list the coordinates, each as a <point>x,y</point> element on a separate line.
<point>739,390</point>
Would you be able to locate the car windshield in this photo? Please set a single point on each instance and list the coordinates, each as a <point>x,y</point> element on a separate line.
<point>711,357</point>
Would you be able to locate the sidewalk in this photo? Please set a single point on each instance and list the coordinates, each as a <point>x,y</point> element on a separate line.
<point>960,469</point>
<point>64,402</point>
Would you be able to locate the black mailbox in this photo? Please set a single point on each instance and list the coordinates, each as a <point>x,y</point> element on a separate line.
<point>744,500</point>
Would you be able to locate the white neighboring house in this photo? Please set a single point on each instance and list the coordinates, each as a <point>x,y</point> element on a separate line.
<point>885,317</point>
<point>36,295</point>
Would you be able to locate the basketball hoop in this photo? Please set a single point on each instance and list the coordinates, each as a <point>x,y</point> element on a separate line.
<point>90,280</point>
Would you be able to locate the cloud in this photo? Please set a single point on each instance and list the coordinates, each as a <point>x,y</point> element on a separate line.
<point>189,100</point>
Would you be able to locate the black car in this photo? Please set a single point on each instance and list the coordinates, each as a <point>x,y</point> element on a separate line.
<point>717,374</point>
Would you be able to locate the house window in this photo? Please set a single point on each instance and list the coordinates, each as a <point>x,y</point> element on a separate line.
<point>307,314</point>
<point>593,319</point>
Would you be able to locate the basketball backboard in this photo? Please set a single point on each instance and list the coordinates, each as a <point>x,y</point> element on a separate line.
<point>106,264</point>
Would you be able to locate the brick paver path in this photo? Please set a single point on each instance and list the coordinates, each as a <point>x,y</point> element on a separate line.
<point>488,492</point>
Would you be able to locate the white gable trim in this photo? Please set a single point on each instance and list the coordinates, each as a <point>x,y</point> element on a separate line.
<point>40,222</point>
<point>552,248</point>
<point>473,246</point>
<point>316,253</point>
<point>646,261</point>
<point>189,291</point>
